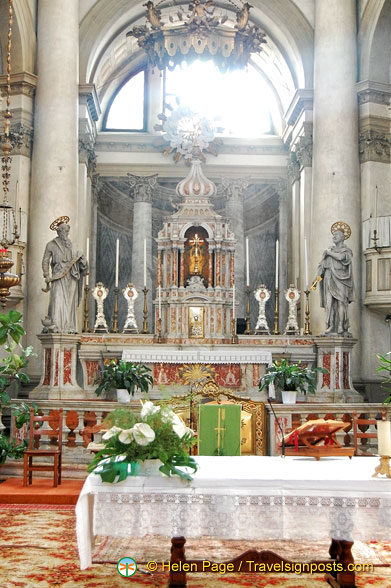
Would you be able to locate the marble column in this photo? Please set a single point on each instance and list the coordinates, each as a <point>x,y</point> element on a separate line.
<point>54,173</point>
<point>143,187</point>
<point>283,236</point>
<point>336,174</point>
<point>234,210</point>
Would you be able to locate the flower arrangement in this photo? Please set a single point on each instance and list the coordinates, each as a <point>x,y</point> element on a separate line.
<point>153,433</point>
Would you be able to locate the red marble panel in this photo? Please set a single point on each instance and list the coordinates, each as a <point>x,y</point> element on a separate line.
<point>345,368</point>
<point>255,374</point>
<point>92,368</point>
<point>67,375</point>
<point>228,376</point>
<point>326,363</point>
<point>56,368</point>
<point>48,362</point>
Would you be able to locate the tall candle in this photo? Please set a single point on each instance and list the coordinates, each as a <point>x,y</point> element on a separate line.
<point>116,263</point>
<point>145,263</point>
<point>160,300</point>
<point>247,265</point>
<point>277,255</point>
<point>376,209</point>
<point>88,259</point>
<point>306,262</point>
<point>233,301</point>
<point>384,437</point>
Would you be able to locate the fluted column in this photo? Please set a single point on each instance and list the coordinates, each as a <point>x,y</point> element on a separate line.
<point>142,229</point>
<point>54,173</point>
<point>336,185</point>
<point>234,209</point>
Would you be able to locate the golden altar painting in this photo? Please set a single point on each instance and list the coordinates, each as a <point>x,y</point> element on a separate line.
<point>196,322</point>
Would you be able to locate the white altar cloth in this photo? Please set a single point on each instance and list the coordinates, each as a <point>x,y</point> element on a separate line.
<point>247,497</point>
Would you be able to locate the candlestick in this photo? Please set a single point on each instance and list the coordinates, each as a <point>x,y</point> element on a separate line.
<point>248,324</point>
<point>277,255</point>
<point>116,263</point>
<point>115,311</point>
<point>306,263</point>
<point>375,240</point>
<point>247,264</point>
<point>145,263</point>
<point>160,301</point>
<point>88,260</point>
<point>233,301</point>
<point>86,326</point>
<point>234,337</point>
<point>159,330</point>
<point>276,312</point>
<point>384,438</point>
<point>307,325</point>
<point>145,312</point>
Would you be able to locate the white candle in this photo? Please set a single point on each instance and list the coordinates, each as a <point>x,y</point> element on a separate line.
<point>306,262</point>
<point>116,263</point>
<point>88,259</point>
<point>145,263</point>
<point>384,438</point>
<point>277,252</point>
<point>247,265</point>
<point>233,301</point>
<point>376,209</point>
<point>159,289</point>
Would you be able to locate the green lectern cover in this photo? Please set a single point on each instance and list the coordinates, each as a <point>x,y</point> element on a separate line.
<point>219,429</point>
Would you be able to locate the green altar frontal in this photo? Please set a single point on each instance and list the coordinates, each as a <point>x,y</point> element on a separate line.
<point>219,429</point>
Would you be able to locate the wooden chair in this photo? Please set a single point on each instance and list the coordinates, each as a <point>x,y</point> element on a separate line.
<point>52,450</point>
<point>360,431</point>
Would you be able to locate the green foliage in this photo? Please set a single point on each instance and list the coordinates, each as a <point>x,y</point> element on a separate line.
<point>287,376</point>
<point>124,374</point>
<point>385,365</point>
<point>10,448</point>
<point>21,413</point>
<point>152,433</point>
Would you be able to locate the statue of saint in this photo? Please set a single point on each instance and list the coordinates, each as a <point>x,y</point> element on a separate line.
<point>336,285</point>
<point>65,283</point>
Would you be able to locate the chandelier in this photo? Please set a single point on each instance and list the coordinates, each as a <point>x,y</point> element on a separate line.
<point>9,232</point>
<point>203,30</point>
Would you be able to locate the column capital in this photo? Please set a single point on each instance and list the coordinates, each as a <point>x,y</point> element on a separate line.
<point>233,188</point>
<point>303,151</point>
<point>21,137</point>
<point>374,146</point>
<point>143,187</point>
<point>293,168</point>
<point>281,187</point>
<point>87,155</point>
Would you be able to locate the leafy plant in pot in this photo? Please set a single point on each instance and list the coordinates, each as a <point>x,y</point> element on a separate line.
<point>291,378</point>
<point>124,376</point>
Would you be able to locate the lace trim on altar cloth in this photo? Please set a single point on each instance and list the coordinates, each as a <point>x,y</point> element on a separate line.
<point>243,517</point>
<point>226,356</point>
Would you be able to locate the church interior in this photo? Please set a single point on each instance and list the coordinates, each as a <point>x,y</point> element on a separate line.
<point>202,189</point>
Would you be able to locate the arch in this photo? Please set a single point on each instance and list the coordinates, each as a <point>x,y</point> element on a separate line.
<point>23,36</point>
<point>187,226</point>
<point>107,57</point>
<point>375,42</point>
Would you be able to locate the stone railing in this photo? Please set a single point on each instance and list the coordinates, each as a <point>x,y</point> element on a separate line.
<point>292,416</point>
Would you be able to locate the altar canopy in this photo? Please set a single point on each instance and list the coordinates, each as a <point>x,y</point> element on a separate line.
<point>242,498</point>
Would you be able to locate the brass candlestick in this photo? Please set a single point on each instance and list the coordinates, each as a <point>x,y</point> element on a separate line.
<point>145,312</point>
<point>375,239</point>
<point>248,324</point>
<point>115,312</point>
<point>307,325</point>
<point>384,467</point>
<point>276,313</point>
<point>86,325</point>
<point>234,337</point>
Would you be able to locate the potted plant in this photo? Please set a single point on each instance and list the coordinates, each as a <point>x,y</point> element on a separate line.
<point>153,433</point>
<point>290,378</point>
<point>385,365</point>
<point>124,376</point>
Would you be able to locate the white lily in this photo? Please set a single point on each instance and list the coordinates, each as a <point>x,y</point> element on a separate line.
<point>143,434</point>
<point>111,433</point>
<point>168,416</point>
<point>126,436</point>
<point>148,409</point>
<point>179,427</point>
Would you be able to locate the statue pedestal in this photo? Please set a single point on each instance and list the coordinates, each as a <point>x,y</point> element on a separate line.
<point>58,380</point>
<point>335,354</point>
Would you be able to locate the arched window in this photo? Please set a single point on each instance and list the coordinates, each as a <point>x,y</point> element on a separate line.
<point>240,102</point>
<point>127,109</point>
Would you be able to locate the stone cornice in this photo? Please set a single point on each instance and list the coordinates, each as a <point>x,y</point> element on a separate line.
<point>377,92</point>
<point>302,100</point>
<point>21,83</point>
<point>88,92</point>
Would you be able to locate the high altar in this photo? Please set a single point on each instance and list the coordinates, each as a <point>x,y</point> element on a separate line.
<point>194,320</point>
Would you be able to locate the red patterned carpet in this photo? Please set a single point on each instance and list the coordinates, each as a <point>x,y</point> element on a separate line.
<point>38,549</point>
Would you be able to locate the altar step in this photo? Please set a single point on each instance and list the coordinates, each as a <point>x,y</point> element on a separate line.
<point>41,491</point>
